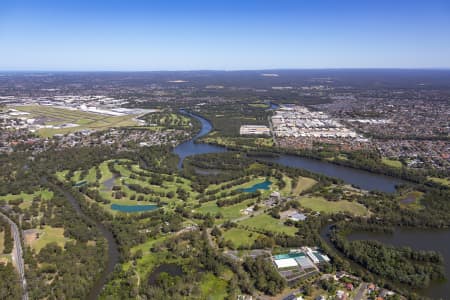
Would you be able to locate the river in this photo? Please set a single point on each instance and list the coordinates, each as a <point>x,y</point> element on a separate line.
<point>418,239</point>
<point>359,178</point>
<point>113,249</point>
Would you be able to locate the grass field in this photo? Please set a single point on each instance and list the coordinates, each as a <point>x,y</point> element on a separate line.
<point>266,222</point>
<point>228,212</point>
<point>213,288</point>
<point>240,237</point>
<point>442,181</point>
<point>391,162</point>
<point>28,198</point>
<point>49,235</point>
<point>259,105</point>
<point>320,204</point>
<point>303,184</point>
<point>85,120</point>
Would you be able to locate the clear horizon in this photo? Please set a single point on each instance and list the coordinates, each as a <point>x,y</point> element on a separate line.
<point>135,36</point>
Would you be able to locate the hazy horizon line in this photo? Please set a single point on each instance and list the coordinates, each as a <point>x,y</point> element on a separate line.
<point>222,70</point>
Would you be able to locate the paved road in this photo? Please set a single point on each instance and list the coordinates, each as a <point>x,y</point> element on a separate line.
<point>17,255</point>
<point>361,290</point>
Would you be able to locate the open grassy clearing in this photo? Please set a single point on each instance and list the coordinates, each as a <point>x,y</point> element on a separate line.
<point>228,212</point>
<point>28,198</point>
<point>320,204</point>
<point>49,235</point>
<point>240,237</point>
<point>85,120</point>
<point>442,181</point>
<point>391,163</point>
<point>213,288</point>
<point>267,223</point>
<point>303,184</point>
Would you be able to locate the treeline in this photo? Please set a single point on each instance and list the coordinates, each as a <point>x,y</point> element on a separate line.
<point>242,197</point>
<point>65,272</point>
<point>8,241</point>
<point>10,287</point>
<point>404,265</point>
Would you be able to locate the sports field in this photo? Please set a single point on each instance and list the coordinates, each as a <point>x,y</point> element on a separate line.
<point>267,223</point>
<point>49,115</point>
<point>303,184</point>
<point>320,204</point>
<point>240,237</point>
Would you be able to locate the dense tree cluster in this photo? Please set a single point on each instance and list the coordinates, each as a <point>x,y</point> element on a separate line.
<point>404,265</point>
<point>10,287</point>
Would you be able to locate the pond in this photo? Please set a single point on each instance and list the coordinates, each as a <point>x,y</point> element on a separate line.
<point>109,183</point>
<point>133,208</point>
<point>171,269</point>
<point>265,185</point>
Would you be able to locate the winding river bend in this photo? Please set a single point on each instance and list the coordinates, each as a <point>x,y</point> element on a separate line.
<point>363,179</point>
<point>417,239</point>
<point>113,249</point>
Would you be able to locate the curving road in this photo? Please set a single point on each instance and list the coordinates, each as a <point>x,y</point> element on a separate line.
<point>17,255</point>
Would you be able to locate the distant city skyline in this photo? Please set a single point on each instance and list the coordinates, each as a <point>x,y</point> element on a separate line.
<point>100,35</point>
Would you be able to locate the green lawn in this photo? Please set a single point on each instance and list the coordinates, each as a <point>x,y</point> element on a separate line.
<point>303,184</point>
<point>442,181</point>
<point>320,204</point>
<point>240,237</point>
<point>391,162</point>
<point>49,235</point>
<point>28,198</point>
<point>228,212</point>
<point>266,222</point>
<point>213,288</point>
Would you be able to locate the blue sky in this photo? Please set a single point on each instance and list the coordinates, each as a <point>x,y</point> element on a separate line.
<point>216,34</point>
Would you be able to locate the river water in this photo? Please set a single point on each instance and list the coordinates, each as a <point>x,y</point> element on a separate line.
<point>418,239</point>
<point>360,178</point>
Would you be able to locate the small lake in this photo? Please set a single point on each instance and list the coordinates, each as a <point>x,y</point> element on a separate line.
<point>133,208</point>
<point>265,185</point>
<point>109,183</point>
<point>171,269</point>
<point>418,239</point>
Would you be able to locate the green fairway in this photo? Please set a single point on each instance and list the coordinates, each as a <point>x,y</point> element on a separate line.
<point>240,237</point>
<point>442,181</point>
<point>28,198</point>
<point>85,120</point>
<point>228,212</point>
<point>267,223</point>
<point>320,204</point>
<point>391,162</point>
<point>303,184</point>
